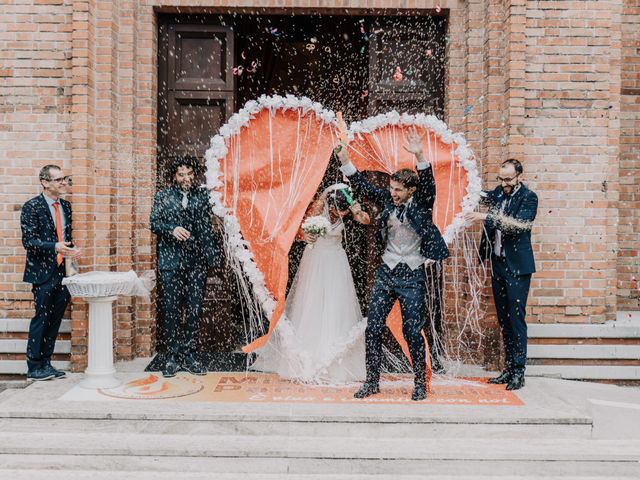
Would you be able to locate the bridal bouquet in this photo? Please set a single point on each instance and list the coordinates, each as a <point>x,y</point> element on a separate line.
<point>317,225</point>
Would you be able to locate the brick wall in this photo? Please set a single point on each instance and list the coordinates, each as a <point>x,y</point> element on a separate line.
<point>629,166</point>
<point>35,123</point>
<point>79,88</point>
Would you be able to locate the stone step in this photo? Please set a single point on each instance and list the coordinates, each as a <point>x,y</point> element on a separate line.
<point>243,447</point>
<point>600,352</point>
<point>566,330</point>
<point>417,431</point>
<point>19,367</point>
<point>17,345</point>
<point>428,474</point>
<point>21,325</point>
<point>73,467</point>
<point>586,372</point>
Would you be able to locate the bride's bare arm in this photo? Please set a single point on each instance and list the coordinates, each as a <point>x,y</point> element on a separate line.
<point>360,215</point>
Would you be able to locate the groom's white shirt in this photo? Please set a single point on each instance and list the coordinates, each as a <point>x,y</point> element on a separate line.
<point>403,243</point>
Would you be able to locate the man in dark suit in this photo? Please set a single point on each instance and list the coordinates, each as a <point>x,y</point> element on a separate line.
<point>506,240</point>
<point>46,236</point>
<point>181,219</point>
<point>409,238</point>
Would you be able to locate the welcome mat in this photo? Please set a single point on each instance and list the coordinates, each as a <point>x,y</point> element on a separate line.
<point>270,388</point>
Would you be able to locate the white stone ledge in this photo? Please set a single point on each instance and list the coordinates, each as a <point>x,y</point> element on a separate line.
<point>566,330</point>
<point>15,345</point>
<point>21,325</point>
<point>600,352</point>
<point>586,372</point>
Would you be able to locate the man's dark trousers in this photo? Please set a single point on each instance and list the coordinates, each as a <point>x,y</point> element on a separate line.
<point>182,293</point>
<point>51,299</point>
<point>407,286</point>
<point>510,294</point>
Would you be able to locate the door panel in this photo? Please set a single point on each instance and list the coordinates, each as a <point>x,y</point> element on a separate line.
<point>200,57</point>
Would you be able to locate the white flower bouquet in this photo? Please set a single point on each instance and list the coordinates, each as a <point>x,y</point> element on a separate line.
<point>317,225</point>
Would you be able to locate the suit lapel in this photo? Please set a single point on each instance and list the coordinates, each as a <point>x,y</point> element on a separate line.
<point>46,213</point>
<point>66,207</point>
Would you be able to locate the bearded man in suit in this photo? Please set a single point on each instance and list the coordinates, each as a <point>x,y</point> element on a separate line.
<point>506,240</point>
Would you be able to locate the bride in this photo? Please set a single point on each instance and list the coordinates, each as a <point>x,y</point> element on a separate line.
<point>320,338</point>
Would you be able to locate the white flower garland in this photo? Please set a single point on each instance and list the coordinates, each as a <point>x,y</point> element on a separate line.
<point>241,255</point>
<point>238,248</point>
<point>465,156</point>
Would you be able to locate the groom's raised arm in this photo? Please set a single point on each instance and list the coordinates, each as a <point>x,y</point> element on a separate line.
<point>359,181</point>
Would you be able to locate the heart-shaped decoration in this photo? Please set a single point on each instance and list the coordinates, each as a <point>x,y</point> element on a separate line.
<point>266,163</point>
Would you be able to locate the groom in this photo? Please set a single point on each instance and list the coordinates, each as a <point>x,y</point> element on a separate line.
<point>410,238</point>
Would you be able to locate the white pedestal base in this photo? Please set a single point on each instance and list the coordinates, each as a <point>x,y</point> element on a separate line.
<point>100,372</point>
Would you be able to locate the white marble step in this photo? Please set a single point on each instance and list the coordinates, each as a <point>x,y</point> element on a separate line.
<point>407,430</point>
<point>34,474</point>
<point>16,345</point>
<point>600,352</point>
<point>586,372</point>
<point>581,330</point>
<point>337,448</point>
<point>19,367</point>
<point>21,325</point>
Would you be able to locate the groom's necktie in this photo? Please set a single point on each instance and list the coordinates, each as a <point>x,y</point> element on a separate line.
<point>400,211</point>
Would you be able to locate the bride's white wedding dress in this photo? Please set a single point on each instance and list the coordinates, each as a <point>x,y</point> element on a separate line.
<point>320,338</point>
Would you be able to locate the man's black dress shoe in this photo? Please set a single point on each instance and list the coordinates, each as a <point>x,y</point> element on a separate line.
<point>170,368</point>
<point>366,390</point>
<point>419,393</point>
<point>56,373</point>
<point>516,382</point>
<point>504,377</point>
<point>193,366</point>
<point>40,374</point>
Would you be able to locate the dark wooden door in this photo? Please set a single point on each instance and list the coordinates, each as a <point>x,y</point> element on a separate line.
<point>195,98</point>
<point>415,48</point>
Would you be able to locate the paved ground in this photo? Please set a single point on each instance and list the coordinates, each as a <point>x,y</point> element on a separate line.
<point>563,430</point>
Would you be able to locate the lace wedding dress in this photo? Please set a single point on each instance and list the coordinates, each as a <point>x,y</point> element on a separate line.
<point>320,338</point>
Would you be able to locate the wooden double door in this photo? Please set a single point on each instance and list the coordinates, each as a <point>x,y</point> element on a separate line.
<point>209,66</point>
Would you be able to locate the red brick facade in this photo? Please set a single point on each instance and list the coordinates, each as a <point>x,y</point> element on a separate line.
<point>561,82</point>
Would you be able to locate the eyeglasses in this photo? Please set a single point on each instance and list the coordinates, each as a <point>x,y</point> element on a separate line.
<point>59,180</point>
<point>506,180</point>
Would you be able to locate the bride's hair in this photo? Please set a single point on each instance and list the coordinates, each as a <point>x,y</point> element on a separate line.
<point>338,200</point>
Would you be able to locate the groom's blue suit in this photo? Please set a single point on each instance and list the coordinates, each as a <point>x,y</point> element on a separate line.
<point>401,282</point>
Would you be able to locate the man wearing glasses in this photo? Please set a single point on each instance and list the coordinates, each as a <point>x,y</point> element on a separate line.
<point>506,240</point>
<point>46,236</point>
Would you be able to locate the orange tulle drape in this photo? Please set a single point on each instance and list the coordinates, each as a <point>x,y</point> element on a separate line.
<point>270,176</point>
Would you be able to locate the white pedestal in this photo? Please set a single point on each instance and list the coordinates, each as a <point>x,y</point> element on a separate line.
<point>100,370</point>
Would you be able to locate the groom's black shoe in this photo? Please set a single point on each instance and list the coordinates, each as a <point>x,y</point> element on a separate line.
<point>419,392</point>
<point>516,382</point>
<point>501,379</point>
<point>367,389</point>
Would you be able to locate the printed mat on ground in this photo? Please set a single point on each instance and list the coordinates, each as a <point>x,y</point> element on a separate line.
<point>258,387</point>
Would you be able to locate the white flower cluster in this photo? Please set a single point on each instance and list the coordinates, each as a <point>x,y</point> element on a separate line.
<point>316,225</point>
